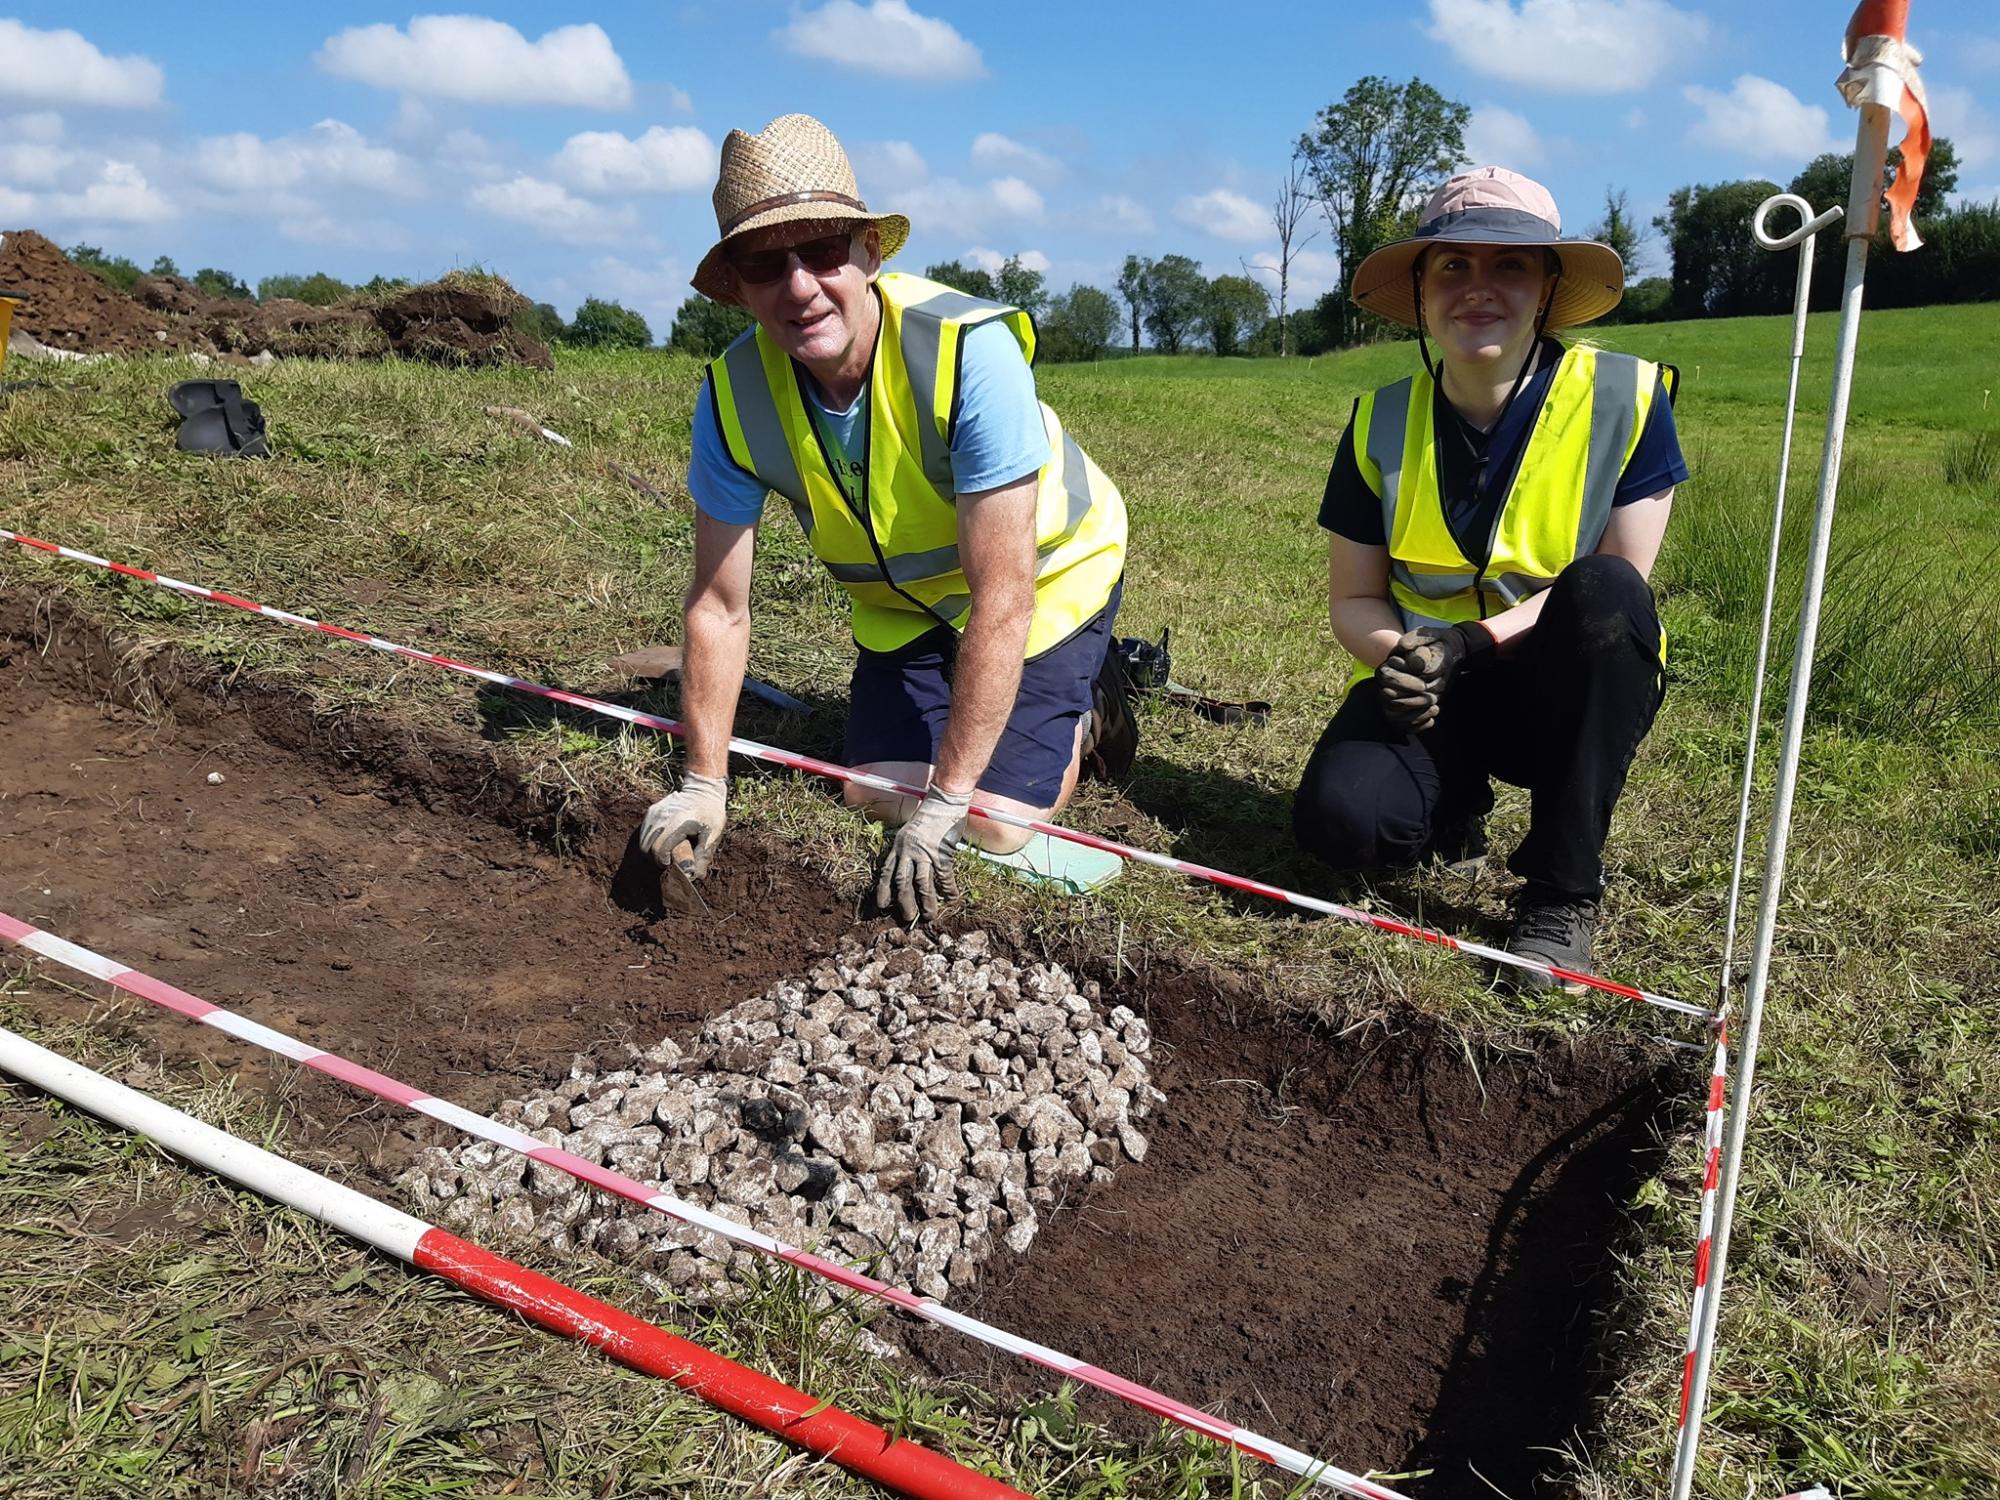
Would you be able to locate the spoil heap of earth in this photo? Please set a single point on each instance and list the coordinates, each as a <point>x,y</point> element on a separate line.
<point>465,318</point>
<point>913,1105</point>
<point>73,309</point>
<point>462,319</point>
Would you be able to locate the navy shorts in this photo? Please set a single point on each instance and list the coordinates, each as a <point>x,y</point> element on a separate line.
<point>900,700</point>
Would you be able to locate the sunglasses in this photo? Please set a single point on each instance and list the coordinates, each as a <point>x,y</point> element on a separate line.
<point>826,254</point>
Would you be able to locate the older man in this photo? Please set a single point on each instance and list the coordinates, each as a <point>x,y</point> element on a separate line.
<point>983,551</point>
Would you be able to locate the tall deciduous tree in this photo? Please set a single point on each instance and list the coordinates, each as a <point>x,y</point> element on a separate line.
<point>1176,298</point>
<point>1021,286</point>
<point>1079,324</point>
<point>705,328</point>
<point>1718,269</point>
<point>1235,310</point>
<point>1132,287</point>
<point>599,324</point>
<point>1294,201</point>
<point>1619,229</point>
<point>1374,157</point>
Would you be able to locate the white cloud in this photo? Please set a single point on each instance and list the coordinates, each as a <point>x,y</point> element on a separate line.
<point>666,159</point>
<point>947,207</point>
<point>678,99</point>
<point>886,37</point>
<point>1226,215</point>
<point>331,154</point>
<point>1760,121</point>
<point>889,166</point>
<point>16,206</point>
<point>120,195</point>
<point>1015,199</point>
<point>30,163</point>
<point>1501,137</point>
<point>482,61</point>
<point>655,290</point>
<point>992,260</point>
<point>42,126</point>
<point>552,209</point>
<point>1574,46</point>
<point>999,153</point>
<point>63,67</point>
<point>1122,213</point>
<point>377,235</point>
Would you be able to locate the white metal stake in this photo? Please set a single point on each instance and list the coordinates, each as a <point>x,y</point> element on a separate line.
<point>1805,237</point>
<point>1863,216</point>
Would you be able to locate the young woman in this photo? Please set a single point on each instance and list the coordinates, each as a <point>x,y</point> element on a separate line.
<point>1494,519</point>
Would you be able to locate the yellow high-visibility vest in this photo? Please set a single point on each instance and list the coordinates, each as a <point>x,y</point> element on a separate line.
<point>1555,511</point>
<point>897,555</point>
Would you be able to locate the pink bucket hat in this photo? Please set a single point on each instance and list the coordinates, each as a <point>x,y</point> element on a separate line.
<point>1493,206</point>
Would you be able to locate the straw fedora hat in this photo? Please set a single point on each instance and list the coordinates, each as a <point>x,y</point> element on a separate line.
<point>1493,206</point>
<point>793,169</point>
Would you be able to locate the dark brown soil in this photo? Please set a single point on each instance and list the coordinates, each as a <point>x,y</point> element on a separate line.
<point>72,308</point>
<point>458,321</point>
<point>1362,1247</point>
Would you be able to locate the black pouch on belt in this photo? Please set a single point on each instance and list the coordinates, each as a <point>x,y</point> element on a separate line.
<point>216,419</point>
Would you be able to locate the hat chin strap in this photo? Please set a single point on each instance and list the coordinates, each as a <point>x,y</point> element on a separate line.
<point>1435,369</point>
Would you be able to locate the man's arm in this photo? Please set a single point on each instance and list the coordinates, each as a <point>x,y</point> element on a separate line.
<point>715,639</point>
<point>996,548</point>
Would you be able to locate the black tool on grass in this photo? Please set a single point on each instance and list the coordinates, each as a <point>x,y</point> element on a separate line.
<point>216,419</point>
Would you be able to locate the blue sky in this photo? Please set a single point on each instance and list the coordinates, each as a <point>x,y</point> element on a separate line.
<point>572,148</point>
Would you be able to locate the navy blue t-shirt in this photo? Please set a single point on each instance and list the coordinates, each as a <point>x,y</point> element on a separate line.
<point>1476,470</point>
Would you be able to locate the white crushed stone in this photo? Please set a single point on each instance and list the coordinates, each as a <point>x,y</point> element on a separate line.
<point>910,1106</point>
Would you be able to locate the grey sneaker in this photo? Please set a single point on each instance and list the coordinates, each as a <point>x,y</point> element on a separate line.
<point>1551,929</point>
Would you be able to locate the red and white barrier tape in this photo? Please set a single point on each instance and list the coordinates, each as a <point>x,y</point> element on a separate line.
<point>1711,1174</point>
<point>775,756</point>
<point>815,1425</point>
<point>193,1008</point>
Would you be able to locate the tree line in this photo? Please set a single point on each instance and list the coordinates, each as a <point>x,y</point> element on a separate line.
<point>1360,175</point>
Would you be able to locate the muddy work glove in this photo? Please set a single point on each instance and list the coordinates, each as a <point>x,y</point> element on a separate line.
<point>1413,678</point>
<point>917,872</point>
<point>693,815</point>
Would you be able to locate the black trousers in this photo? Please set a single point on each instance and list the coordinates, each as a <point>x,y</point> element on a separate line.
<point>1561,716</point>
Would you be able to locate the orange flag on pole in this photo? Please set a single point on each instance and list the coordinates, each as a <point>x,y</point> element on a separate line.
<point>1882,69</point>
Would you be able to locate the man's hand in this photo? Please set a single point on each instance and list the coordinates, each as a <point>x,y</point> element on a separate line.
<point>1419,667</point>
<point>694,815</point>
<point>917,870</point>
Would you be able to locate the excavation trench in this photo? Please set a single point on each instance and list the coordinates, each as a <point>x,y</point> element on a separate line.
<point>1386,1249</point>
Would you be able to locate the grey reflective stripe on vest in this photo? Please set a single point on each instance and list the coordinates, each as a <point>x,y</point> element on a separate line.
<point>904,568</point>
<point>1076,488</point>
<point>1614,409</point>
<point>1386,433</point>
<point>907,568</point>
<point>1432,585</point>
<point>923,339</point>
<point>757,410</point>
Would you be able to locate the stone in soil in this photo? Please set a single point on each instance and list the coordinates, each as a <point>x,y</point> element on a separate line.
<point>910,1106</point>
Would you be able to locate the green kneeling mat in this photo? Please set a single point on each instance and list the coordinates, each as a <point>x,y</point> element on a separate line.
<point>1043,858</point>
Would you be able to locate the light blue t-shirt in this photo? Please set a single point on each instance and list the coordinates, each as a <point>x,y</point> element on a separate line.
<point>999,438</point>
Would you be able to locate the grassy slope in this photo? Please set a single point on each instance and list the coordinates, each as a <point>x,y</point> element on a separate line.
<point>1858,1328</point>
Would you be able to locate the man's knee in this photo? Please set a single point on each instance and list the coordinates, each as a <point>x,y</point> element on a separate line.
<point>998,838</point>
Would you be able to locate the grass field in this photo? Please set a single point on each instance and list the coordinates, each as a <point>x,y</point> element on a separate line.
<point>1859,1341</point>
